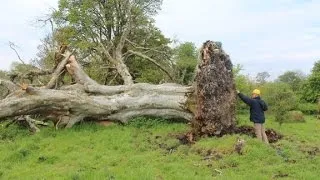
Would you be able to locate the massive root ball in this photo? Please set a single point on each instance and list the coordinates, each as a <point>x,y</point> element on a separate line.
<point>215,91</point>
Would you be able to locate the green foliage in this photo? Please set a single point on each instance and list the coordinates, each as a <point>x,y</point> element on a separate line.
<point>156,46</point>
<point>185,57</point>
<point>147,122</point>
<point>243,84</point>
<point>20,68</point>
<point>308,108</point>
<point>279,94</point>
<point>152,76</point>
<point>98,71</point>
<point>12,132</point>
<point>280,98</point>
<point>294,78</point>
<point>311,89</point>
<point>91,27</point>
<point>318,115</point>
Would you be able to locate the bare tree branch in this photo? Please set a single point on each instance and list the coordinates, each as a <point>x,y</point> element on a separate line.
<point>136,46</point>
<point>113,79</point>
<point>31,123</point>
<point>127,28</point>
<point>45,21</point>
<point>13,47</point>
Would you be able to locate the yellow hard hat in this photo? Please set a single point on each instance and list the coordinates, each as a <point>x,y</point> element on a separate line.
<point>256,91</point>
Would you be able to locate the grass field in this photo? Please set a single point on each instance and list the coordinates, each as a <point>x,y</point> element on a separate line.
<point>148,149</point>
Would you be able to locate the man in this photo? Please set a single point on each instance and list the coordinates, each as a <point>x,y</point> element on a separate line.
<point>257,108</point>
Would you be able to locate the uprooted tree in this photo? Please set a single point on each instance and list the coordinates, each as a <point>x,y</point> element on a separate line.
<point>119,42</point>
<point>210,103</point>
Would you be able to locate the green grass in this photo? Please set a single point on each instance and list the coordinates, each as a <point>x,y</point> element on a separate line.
<point>148,149</point>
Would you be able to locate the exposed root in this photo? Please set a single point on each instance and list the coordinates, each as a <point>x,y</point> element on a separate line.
<point>29,122</point>
<point>215,91</point>
<point>32,125</point>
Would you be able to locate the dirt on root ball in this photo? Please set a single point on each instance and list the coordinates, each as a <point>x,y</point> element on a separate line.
<point>215,92</point>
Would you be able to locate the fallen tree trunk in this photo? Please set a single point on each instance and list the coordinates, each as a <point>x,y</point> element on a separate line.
<point>72,106</point>
<point>89,100</point>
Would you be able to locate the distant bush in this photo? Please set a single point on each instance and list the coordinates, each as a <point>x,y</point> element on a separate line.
<point>279,95</point>
<point>294,116</point>
<point>281,99</point>
<point>308,108</point>
<point>310,90</point>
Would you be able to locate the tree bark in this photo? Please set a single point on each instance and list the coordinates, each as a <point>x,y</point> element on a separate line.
<point>123,71</point>
<point>120,103</point>
<point>58,71</point>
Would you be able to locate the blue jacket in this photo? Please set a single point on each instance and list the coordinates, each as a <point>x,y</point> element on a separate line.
<point>257,108</point>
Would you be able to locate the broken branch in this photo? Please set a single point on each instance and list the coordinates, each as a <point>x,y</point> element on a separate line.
<point>12,46</point>
<point>58,70</point>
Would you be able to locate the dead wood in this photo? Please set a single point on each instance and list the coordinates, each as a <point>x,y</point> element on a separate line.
<point>58,71</point>
<point>76,106</point>
<point>13,47</point>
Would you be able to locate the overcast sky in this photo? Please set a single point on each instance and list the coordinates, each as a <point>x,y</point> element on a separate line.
<point>270,35</point>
